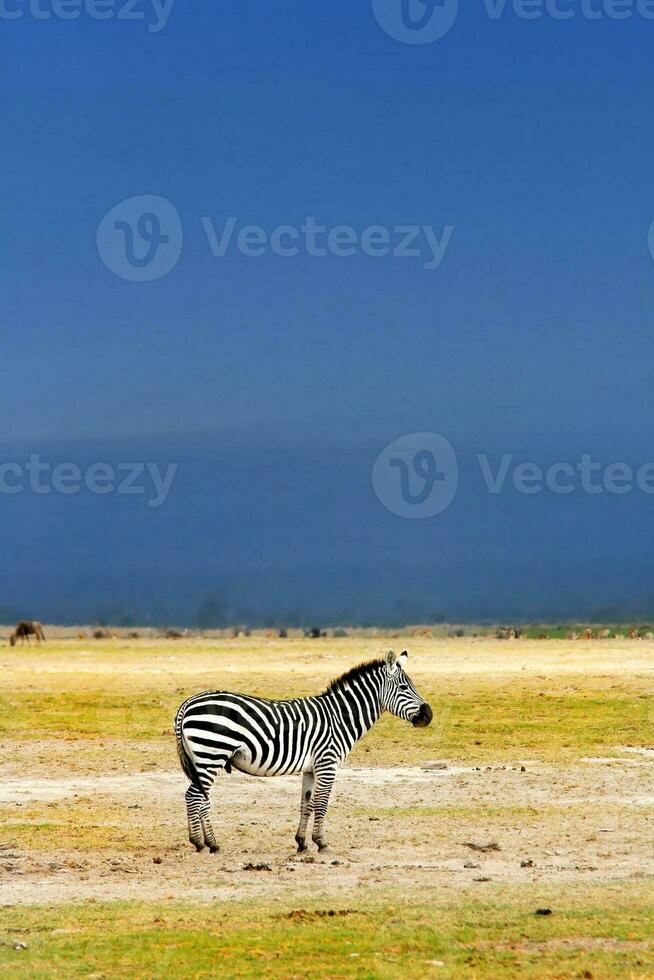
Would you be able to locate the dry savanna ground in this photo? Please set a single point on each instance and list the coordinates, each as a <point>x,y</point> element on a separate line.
<point>543,749</point>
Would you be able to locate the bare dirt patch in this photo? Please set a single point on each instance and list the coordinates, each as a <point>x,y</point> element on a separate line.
<point>387,825</point>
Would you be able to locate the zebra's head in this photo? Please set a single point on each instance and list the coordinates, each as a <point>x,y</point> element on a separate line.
<point>399,696</point>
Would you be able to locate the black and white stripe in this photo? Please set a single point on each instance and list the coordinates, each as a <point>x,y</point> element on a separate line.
<point>313,735</point>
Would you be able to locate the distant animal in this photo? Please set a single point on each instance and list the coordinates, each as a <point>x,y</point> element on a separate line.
<point>314,634</point>
<point>24,630</point>
<point>587,634</point>
<point>572,636</point>
<point>283,634</point>
<point>509,633</point>
<point>311,735</point>
<point>603,634</point>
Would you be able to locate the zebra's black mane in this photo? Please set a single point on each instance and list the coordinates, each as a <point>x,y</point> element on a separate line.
<point>361,670</point>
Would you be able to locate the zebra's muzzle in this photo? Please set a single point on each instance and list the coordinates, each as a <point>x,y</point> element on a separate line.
<point>423,717</point>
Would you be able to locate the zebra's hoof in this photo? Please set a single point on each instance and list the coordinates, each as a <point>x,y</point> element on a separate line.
<point>198,847</point>
<point>302,848</point>
<point>214,849</point>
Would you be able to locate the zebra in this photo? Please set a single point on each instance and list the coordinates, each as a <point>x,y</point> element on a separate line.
<point>312,735</point>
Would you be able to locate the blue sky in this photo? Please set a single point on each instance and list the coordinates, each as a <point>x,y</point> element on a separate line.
<point>532,139</point>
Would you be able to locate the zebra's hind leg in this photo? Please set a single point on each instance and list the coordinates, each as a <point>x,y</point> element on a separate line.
<point>306,809</point>
<point>194,803</point>
<point>325,777</point>
<point>207,829</point>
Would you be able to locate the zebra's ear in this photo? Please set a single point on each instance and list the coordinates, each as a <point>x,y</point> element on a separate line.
<point>402,659</point>
<point>390,659</point>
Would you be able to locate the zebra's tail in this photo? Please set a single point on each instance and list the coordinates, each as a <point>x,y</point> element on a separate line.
<point>185,757</point>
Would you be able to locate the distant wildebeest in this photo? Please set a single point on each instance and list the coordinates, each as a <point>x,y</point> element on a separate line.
<point>24,630</point>
<point>314,634</point>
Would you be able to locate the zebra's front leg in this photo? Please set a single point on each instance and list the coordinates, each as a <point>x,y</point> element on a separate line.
<point>194,803</point>
<point>306,808</point>
<point>324,782</point>
<point>207,829</point>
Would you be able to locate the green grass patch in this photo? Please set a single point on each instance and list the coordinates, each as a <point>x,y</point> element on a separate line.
<point>507,721</point>
<point>85,824</point>
<point>84,715</point>
<point>598,931</point>
<point>513,721</point>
